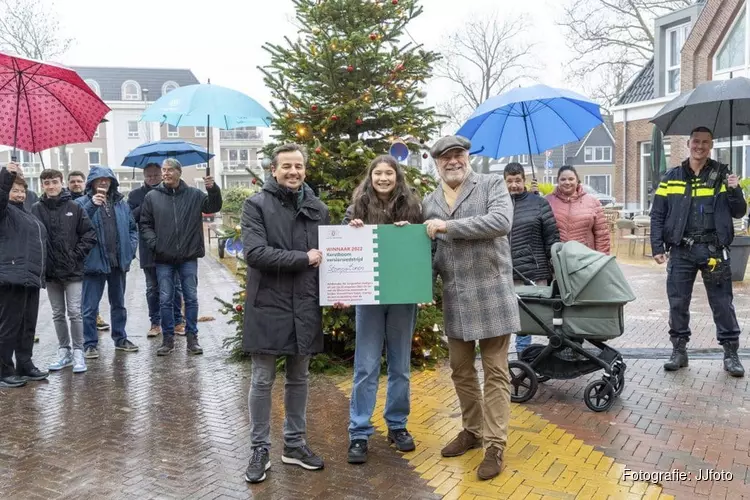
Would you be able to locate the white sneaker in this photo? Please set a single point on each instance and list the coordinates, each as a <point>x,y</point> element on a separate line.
<point>79,362</point>
<point>64,359</point>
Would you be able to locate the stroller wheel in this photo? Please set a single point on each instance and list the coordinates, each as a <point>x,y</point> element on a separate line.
<point>619,381</point>
<point>523,382</point>
<point>599,395</point>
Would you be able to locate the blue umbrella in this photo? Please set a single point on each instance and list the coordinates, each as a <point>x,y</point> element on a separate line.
<point>187,153</point>
<point>530,120</point>
<point>204,104</point>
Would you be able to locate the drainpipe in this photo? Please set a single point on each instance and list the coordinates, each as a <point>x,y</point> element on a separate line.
<point>625,159</point>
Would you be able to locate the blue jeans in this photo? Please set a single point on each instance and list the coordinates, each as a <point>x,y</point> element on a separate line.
<point>93,289</point>
<point>188,276</point>
<point>152,297</point>
<point>394,325</point>
<point>522,342</point>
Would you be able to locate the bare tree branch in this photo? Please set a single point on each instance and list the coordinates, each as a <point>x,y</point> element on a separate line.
<point>611,40</point>
<point>29,28</point>
<point>483,59</point>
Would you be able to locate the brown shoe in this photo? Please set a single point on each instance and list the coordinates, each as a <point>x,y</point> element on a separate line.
<point>179,329</point>
<point>464,442</point>
<point>492,465</point>
<point>154,331</point>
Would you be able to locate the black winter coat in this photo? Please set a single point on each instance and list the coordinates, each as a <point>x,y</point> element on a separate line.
<point>23,241</point>
<point>171,221</point>
<point>71,236</point>
<point>282,303</point>
<point>533,234</point>
<point>135,201</point>
<point>671,208</point>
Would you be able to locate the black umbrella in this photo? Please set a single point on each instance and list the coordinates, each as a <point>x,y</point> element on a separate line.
<point>718,105</point>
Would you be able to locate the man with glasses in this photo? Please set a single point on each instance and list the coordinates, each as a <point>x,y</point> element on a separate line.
<point>151,179</point>
<point>171,224</point>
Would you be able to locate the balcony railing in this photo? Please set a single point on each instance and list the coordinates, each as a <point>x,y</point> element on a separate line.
<point>241,135</point>
<point>240,165</point>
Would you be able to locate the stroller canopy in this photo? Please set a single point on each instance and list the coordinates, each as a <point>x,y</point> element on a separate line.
<point>586,276</point>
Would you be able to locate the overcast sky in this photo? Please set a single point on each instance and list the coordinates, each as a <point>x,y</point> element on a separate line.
<point>221,39</point>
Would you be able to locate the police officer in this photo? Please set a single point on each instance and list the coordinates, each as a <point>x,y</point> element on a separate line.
<point>691,218</point>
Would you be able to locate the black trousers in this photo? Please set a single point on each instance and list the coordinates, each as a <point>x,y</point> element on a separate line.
<point>19,308</point>
<point>682,269</point>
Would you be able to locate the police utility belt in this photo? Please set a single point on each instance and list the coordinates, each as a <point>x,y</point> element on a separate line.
<point>707,239</point>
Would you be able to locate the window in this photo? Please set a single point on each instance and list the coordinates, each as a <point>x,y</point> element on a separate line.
<point>94,157</point>
<point>550,179</point>
<point>593,154</point>
<point>200,131</point>
<point>133,129</point>
<point>168,87</point>
<point>94,86</point>
<point>60,159</point>
<point>599,182</point>
<point>675,39</point>
<point>201,166</point>
<point>172,131</point>
<point>523,159</point>
<point>131,91</point>
<point>732,53</point>
<point>235,159</point>
<point>96,133</point>
<point>29,161</point>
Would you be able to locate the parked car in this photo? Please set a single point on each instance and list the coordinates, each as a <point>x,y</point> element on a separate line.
<point>605,199</point>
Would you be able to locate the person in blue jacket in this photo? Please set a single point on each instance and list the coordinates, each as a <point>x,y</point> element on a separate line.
<point>109,261</point>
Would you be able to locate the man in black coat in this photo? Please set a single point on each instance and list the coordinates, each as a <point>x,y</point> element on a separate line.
<point>533,234</point>
<point>151,179</point>
<point>171,225</point>
<point>71,238</point>
<point>282,311</point>
<point>23,261</point>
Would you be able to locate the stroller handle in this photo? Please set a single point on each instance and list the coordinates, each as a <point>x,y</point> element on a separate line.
<point>525,280</point>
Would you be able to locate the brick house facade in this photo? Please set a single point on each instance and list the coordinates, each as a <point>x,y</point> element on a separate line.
<point>708,24</point>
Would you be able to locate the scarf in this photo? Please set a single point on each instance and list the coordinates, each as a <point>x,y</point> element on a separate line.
<point>451,195</point>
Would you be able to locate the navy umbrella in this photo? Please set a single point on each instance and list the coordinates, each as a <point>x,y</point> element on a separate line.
<point>187,153</point>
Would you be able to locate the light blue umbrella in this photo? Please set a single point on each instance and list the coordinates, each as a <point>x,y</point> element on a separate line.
<point>529,120</point>
<point>187,153</point>
<point>206,104</point>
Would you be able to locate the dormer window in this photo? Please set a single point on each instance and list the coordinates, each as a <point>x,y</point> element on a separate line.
<point>168,87</point>
<point>131,91</point>
<point>94,86</point>
<point>731,55</point>
<point>675,40</point>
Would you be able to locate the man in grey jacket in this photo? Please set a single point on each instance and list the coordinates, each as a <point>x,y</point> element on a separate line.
<point>470,216</point>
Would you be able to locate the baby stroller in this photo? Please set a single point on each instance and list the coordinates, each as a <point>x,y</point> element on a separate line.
<point>584,303</point>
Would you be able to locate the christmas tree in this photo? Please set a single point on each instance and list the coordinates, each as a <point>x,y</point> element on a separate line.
<point>347,88</point>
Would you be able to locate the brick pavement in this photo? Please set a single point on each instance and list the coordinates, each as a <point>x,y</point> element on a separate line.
<point>136,426</point>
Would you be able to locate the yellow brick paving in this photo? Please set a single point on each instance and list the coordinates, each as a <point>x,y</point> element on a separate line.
<point>542,461</point>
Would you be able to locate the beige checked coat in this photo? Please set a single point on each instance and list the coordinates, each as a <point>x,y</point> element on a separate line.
<point>473,259</point>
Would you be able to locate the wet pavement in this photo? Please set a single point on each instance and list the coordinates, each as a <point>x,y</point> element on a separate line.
<point>138,426</point>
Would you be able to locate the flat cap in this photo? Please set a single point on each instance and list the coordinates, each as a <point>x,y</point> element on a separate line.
<point>447,143</point>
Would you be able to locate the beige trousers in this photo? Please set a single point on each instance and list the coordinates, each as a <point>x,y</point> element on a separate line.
<point>485,417</point>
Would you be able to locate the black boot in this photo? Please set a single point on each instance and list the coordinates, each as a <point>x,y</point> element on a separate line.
<point>732,360</point>
<point>192,344</point>
<point>679,358</point>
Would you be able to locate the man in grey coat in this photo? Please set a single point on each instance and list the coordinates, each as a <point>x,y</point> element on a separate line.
<point>469,217</point>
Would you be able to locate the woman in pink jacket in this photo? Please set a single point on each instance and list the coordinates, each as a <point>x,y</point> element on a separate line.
<point>579,216</point>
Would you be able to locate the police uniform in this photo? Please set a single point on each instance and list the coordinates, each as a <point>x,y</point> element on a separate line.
<point>691,218</point>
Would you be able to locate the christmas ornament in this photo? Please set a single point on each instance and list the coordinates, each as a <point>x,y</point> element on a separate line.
<point>334,117</point>
<point>417,182</point>
<point>242,295</point>
<point>425,155</point>
<point>265,163</point>
<point>238,308</point>
<point>422,94</point>
<point>359,151</point>
<point>318,150</point>
<point>350,68</point>
<point>394,2</point>
<point>314,107</point>
<point>238,228</point>
<point>373,36</point>
<point>400,67</point>
<point>359,121</point>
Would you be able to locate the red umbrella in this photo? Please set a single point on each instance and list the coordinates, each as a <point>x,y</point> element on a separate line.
<point>44,105</point>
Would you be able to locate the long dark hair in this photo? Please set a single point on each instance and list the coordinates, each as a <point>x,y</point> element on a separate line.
<point>403,205</point>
